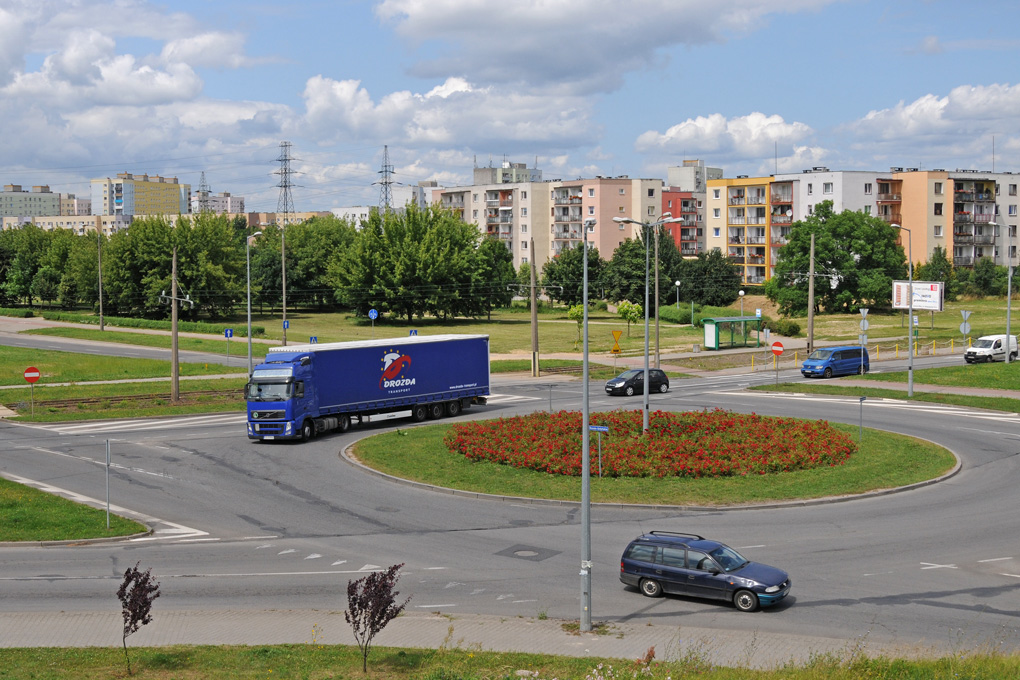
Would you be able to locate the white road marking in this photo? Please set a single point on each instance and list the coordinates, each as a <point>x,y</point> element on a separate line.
<point>338,562</point>
<point>100,463</point>
<point>196,540</point>
<point>370,567</point>
<point>287,551</point>
<point>1013,575</point>
<point>929,565</point>
<point>433,606</point>
<point>995,559</point>
<point>313,556</point>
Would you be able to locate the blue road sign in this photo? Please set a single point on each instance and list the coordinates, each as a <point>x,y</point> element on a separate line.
<point>228,332</point>
<point>414,331</point>
<point>373,314</point>
<point>599,428</point>
<point>286,324</point>
<point>313,340</point>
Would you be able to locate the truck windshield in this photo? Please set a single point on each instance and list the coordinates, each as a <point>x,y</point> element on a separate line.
<point>267,391</point>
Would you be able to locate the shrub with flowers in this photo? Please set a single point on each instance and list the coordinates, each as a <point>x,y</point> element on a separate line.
<point>693,444</point>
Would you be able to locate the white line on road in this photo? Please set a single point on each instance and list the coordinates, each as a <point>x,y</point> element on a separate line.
<point>995,559</point>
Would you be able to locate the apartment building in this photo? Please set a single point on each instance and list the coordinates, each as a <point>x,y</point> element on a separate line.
<point>128,194</point>
<point>223,202</point>
<point>689,233</point>
<point>506,173</point>
<point>18,202</point>
<point>79,224</point>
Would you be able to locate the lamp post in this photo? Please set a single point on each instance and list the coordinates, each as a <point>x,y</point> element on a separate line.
<point>666,218</point>
<point>1009,286</point>
<point>247,259</point>
<point>283,276</point>
<point>741,303</point>
<point>585,454</point>
<point>99,262</point>
<point>910,313</point>
<point>677,284</point>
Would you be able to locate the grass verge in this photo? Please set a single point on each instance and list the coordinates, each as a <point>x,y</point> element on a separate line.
<point>972,401</point>
<point>998,375</point>
<point>390,663</point>
<point>27,514</point>
<point>885,460</point>
<point>186,343</point>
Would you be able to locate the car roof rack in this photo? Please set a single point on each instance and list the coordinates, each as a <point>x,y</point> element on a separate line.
<point>676,533</point>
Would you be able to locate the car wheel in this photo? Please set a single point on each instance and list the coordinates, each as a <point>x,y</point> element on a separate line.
<point>418,413</point>
<point>745,601</point>
<point>860,370</point>
<point>664,388</point>
<point>650,588</point>
<point>1012,356</point>
<point>453,408</point>
<point>343,424</point>
<point>629,391</point>
<point>828,372</point>
<point>307,431</point>
<point>436,410</point>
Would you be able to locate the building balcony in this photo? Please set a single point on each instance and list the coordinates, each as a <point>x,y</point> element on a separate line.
<point>891,218</point>
<point>571,217</point>
<point>755,259</point>
<point>567,234</point>
<point>567,200</point>
<point>963,218</point>
<point>985,197</point>
<point>963,195</point>
<point>757,219</point>
<point>782,199</point>
<point>756,200</point>
<point>779,240</point>
<point>755,278</point>
<point>506,203</point>
<point>736,259</point>
<point>890,198</point>
<point>782,219</point>
<point>688,251</point>
<point>984,239</point>
<point>757,240</point>
<point>736,219</point>
<point>963,238</point>
<point>963,261</point>
<point>983,218</point>
<point>736,200</point>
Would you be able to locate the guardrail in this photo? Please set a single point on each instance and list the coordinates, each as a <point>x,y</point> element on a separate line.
<point>767,361</point>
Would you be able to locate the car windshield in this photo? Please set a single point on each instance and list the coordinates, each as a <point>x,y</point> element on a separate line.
<point>983,343</point>
<point>627,375</point>
<point>821,354</point>
<point>728,558</point>
<point>267,391</point>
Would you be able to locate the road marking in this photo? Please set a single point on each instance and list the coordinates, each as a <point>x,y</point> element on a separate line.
<point>879,573</point>
<point>433,606</point>
<point>313,556</point>
<point>930,565</point>
<point>287,551</point>
<point>100,463</point>
<point>370,567</point>
<point>196,540</point>
<point>338,562</point>
<point>1013,575</point>
<point>141,425</point>
<point>995,559</point>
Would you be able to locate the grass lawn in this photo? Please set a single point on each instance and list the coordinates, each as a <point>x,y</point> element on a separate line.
<point>321,661</point>
<point>885,460</point>
<point>211,344</point>
<point>996,375</point>
<point>27,514</point>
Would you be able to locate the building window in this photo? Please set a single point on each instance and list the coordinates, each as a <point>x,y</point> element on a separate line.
<point>524,212</point>
<point>524,245</point>
<point>474,214</point>
<point>591,210</point>
<point>1012,190</point>
<point>867,188</point>
<point>591,193</point>
<point>623,191</point>
<point>524,229</point>
<point>810,208</point>
<point>810,189</point>
<point>621,226</point>
<point>591,228</point>
<point>621,209</point>
<point>715,232</point>
<point>669,203</point>
<point>524,195</point>
<point>938,230</point>
<point>651,193</point>
<point>474,198</point>
<point>524,260</point>
<point>867,210</point>
<point>938,188</point>
<point>715,212</point>
<point>715,193</point>
<point>651,210</point>
<point>938,208</point>
<point>1012,211</point>
<point>827,188</point>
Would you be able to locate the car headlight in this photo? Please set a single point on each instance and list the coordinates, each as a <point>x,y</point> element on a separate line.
<point>772,589</point>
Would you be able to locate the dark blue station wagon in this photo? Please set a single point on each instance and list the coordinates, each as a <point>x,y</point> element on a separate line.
<point>687,564</point>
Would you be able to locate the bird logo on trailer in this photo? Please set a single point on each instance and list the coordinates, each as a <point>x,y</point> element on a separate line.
<point>393,363</point>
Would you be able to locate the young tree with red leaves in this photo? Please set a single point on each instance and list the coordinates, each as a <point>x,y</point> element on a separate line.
<point>371,604</point>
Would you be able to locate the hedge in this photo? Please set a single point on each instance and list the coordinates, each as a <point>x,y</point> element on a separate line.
<point>124,322</point>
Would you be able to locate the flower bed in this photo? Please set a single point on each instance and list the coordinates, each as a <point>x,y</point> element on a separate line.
<point>692,444</point>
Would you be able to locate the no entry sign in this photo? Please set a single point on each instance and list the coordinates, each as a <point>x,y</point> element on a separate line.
<point>32,374</point>
<point>777,348</point>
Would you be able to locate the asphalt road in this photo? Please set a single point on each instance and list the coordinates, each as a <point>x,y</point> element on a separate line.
<point>244,525</point>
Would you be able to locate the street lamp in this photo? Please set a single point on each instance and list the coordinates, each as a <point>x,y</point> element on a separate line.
<point>1009,286</point>
<point>910,313</point>
<point>741,303</point>
<point>99,262</point>
<point>666,218</point>
<point>247,258</point>
<point>585,452</point>
<point>677,284</point>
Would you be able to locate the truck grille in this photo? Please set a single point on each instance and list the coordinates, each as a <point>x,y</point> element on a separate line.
<point>267,415</point>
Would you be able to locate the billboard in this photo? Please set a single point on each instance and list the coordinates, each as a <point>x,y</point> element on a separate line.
<point>928,295</point>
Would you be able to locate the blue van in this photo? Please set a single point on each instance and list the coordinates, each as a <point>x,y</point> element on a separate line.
<point>830,361</point>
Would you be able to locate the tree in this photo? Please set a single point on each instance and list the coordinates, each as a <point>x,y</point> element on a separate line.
<point>859,256</point>
<point>939,268</point>
<point>495,275</point>
<point>708,279</point>
<point>630,312</point>
<point>371,604</point>
<point>576,314</point>
<point>563,275</point>
<point>136,594</point>
<point>624,275</point>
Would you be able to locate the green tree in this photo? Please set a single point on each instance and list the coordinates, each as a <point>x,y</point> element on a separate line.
<point>27,244</point>
<point>576,314</point>
<point>708,279</point>
<point>496,276</point>
<point>563,275</point>
<point>983,277</point>
<point>46,284</point>
<point>630,312</point>
<point>857,255</point>
<point>624,275</point>
<point>939,268</point>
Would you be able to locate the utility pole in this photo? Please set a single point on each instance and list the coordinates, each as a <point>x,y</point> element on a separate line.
<point>99,261</point>
<point>284,206</point>
<point>534,315</point>
<point>657,229</point>
<point>203,194</point>
<point>811,299</point>
<point>175,371</point>
<point>385,184</point>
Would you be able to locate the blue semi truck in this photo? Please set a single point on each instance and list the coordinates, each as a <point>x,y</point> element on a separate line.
<point>300,391</point>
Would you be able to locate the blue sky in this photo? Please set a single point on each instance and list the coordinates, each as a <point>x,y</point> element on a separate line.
<point>588,87</point>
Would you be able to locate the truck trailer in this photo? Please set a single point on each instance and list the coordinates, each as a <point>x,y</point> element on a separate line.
<point>300,391</point>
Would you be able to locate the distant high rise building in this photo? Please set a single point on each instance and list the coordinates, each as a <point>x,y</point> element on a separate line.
<point>128,194</point>
<point>507,173</point>
<point>220,203</point>
<point>16,202</point>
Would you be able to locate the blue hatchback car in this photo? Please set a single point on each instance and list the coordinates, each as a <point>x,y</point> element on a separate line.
<point>687,564</point>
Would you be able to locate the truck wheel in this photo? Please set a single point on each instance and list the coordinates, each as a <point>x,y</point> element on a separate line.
<point>418,413</point>
<point>453,408</point>
<point>436,410</point>
<point>307,431</point>
<point>343,424</point>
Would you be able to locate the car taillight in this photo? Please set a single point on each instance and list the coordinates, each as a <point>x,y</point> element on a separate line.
<point>621,566</point>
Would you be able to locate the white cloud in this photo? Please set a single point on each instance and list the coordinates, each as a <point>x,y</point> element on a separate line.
<point>213,49</point>
<point>753,135</point>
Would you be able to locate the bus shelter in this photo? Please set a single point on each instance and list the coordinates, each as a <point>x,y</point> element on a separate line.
<point>732,331</point>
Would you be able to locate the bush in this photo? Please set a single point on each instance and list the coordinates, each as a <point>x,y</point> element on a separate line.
<point>673,315</point>
<point>18,313</point>
<point>154,324</point>
<point>787,328</point>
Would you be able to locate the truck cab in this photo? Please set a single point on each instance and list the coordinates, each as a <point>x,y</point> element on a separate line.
<point>281,400</point>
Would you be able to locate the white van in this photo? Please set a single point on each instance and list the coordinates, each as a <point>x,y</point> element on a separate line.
<point>991,348</point>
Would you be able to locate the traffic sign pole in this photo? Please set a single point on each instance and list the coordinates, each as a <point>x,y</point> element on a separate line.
<point>777,351</point>
<point>31,376</point>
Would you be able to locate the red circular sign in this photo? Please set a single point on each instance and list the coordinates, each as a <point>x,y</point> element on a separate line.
<point>777,348</point>
<point>32,374</point>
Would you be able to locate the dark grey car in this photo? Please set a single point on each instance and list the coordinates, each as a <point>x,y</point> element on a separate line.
<point>633,382</point>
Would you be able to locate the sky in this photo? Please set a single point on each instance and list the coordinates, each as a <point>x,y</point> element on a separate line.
<point>92,88</point>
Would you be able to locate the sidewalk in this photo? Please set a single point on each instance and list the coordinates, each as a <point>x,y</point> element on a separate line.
<point>754,649</point>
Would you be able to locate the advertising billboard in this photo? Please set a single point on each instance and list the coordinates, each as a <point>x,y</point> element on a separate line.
<point>928,295</point>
